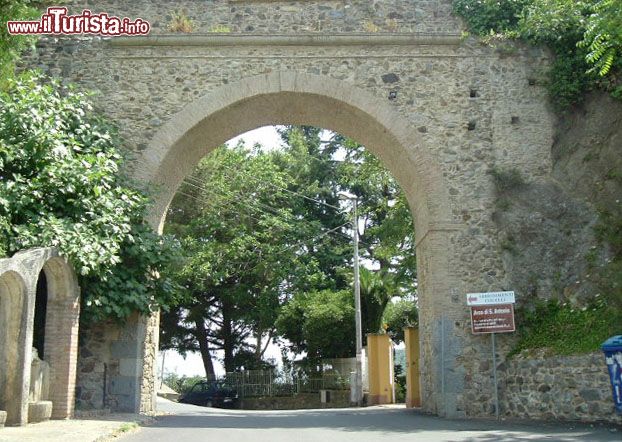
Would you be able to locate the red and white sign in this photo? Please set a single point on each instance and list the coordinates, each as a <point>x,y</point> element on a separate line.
<point>497,318</point>
<point>490,298</point>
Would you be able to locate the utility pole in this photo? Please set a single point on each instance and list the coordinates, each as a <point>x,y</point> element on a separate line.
<point>357,299</point>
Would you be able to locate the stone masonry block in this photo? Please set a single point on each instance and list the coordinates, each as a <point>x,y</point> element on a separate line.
<point>39,411</point>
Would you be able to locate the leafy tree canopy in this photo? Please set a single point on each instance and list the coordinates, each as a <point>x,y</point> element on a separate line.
<point>398,315</point>
<point>61,186</point>
<point>323,323</point>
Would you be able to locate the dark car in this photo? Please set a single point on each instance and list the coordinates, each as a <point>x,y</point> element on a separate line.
<point>210,394</point>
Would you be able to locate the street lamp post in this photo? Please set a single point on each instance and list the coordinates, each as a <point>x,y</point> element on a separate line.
<point>358,388</point>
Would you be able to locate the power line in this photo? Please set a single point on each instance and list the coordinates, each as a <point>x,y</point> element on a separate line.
<point>314,238</point>
<point>272,210</point>
<point>301,243</point>
<point>250,204</point>
<point>289,191</point>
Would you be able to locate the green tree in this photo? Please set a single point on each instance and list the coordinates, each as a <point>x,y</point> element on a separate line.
<point>603,38</point>
<point>241,243</point>
<point>12,46</point>
<point>320,324</point>
<point>399,314</point>
<point>326,164</point>
<point>280,211</point>
<point>61,186</point>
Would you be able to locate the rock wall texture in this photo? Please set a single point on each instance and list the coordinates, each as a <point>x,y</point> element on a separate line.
<point>553,221</point>
<point>110,366</point>
<point>558,387</point>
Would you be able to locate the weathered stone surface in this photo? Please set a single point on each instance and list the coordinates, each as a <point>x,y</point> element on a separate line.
<point>576,388</point>
<point>338,399</point>
<point>39,411</point>
<point>2,418</point>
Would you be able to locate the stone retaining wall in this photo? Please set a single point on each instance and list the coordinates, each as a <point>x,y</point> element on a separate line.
<point>557,387</point>
<point>338,399</point>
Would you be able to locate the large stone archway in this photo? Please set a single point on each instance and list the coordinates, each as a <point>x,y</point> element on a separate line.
<point>438,110</point>
<point>289,97</point>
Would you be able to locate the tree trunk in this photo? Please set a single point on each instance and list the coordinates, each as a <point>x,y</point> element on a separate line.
<point>258,348</point>
<point>227,337</point>
<point>204,347</point>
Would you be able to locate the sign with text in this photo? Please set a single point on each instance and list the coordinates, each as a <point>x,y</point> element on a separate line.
<point>497,318</point>
<point>490,298</point>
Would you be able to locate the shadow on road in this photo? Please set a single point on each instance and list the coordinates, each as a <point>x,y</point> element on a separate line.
<point>385,421</point>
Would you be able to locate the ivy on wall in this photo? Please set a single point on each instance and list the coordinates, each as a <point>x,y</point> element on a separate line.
<point>585,35</point>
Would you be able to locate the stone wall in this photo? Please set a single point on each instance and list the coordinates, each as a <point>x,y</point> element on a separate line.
<point>338,399</point>
<point>291,16</point>
<point>110,366</point>
<point>557,387</point>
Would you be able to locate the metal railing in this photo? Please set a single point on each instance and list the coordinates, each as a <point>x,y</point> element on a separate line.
<point>260,383</point>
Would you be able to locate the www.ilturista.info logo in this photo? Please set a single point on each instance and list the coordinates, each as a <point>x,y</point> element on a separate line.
<point>57,22</point>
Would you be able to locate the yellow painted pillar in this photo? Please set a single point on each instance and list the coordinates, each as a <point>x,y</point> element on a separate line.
<point>413,389</point>
<point>380,369</point>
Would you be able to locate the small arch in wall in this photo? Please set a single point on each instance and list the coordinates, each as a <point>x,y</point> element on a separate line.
<point>12,301</point>
<point>59,315</point>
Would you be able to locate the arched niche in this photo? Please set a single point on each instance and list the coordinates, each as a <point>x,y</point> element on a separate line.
<point>60,336</point>
<point>13,399</point>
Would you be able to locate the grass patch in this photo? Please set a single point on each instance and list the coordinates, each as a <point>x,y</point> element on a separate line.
<point>180,22</point>
<point>128,426</point>
<point>564,329</point>
<point>506,180</point>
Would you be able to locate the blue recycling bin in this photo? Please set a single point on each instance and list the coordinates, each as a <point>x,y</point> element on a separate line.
<point>612,348</point>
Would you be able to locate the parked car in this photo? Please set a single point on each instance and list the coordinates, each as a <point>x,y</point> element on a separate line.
<point>211,394</point>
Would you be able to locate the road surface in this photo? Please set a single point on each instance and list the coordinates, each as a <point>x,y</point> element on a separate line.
<point>188,423</point>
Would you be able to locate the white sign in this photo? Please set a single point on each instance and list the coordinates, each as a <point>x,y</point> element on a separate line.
<point>490,298</point>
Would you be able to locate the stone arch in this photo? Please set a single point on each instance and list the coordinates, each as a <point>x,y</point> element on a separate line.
<point>290,97</point>
<point>13,312</point>
<point>61,334</point>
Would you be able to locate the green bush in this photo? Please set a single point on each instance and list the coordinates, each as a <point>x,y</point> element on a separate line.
<point>61,186</point>
<point>564,329</point>
<point>181,384</point>
<point>585,35</point>
<point>506,180</point>
<point>490,16</point>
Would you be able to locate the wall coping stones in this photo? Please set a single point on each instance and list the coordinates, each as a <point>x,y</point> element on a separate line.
<point>380,39</point>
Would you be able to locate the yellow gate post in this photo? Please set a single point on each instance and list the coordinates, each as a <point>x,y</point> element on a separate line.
<point>380,362</point>
<point>413,390</point>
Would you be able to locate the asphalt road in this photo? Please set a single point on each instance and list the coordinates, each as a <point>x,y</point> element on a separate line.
<point>189,423</point>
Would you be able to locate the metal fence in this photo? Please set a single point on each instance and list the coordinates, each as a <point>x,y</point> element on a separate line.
<point>262,383</point>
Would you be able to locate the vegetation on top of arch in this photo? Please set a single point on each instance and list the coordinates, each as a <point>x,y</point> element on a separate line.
<point>585,35</point>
